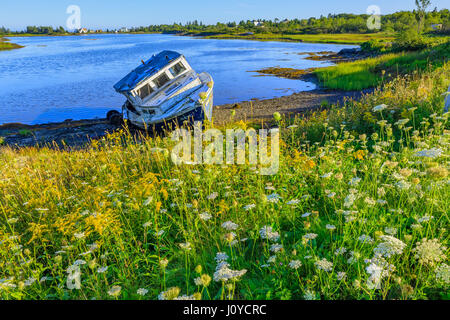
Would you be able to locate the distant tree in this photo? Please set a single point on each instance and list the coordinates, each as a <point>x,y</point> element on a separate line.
<point>422,6</point>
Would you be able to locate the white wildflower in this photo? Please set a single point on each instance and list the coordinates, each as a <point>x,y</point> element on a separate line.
<point>429,252</point>
<point>310,295</point>
<point>379,108</point>
<point>310,236</point>
<point>341,276</point>
<point>142,291</point>
<point>431,153</point>
<point>295,264</point>
<point>443,274</point>
<point>102,269</point>
<point>205,216</point>
<point>249,207</point>
<point>185,246</point>
<point>324,265</point>
<point>340,251</point>
<point>390,247</point>
<point>365,239</point>
<point>267,232</point>
<point>114,291</point>
<point>274,198</point>
<point>229,225</point>
<point>212,196</point>
<point>221,257</point>
<point>276,248</point>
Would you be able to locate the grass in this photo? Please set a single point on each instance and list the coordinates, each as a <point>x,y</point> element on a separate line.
<point>6,45</point>
<point>345,38</point>
<point>372,72</point>
<point>118,220</point>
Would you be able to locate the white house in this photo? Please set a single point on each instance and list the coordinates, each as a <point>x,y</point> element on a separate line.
<point>257,23</point>
<point>83,30</point>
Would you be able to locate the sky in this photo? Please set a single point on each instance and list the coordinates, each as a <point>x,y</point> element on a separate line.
<point>102,14</point>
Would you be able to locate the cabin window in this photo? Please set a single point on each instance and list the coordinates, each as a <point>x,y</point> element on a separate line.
<point>145,91</point>
<point>161,80</point>
<point>177,69</point>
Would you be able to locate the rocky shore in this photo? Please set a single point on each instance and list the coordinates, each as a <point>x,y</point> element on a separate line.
<point>345,55</point>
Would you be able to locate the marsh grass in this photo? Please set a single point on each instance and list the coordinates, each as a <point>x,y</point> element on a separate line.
<point>139,227</point>
<point>344,38</point>
<point>6,45</point>
<point>373,72</point>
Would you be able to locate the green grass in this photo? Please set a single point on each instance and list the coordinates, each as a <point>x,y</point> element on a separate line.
<point>372,72</point>
<point>313,38</point>
<point>349,185</point>
<point>6,45</point>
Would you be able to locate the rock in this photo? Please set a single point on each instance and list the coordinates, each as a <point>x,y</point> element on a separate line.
<point>237,106</point>
<point>350,51</point>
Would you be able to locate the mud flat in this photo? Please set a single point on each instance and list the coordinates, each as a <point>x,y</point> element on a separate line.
<point>68,133</point>
<point>297,103</point>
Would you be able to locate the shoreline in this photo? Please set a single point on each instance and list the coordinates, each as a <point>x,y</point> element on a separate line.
<point>78,133</point>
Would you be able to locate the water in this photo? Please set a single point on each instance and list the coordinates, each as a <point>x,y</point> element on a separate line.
<point>59,78</point>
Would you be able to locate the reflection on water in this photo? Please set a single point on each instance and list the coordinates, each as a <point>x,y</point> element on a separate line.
<point>59,78</point>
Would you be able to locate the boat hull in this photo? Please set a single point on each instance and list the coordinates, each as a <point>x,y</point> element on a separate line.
<point>193,105</point>
<point>196,114</point>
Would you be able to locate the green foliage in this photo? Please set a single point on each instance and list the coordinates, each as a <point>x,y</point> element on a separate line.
<point>410,40</point>
<point>372,72</point>
<point>374,46</point>
<point>25,132</point>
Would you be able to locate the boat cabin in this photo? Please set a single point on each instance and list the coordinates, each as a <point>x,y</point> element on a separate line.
<point>153,76</point>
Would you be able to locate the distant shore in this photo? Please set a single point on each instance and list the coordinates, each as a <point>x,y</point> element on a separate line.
<point>338,38</point>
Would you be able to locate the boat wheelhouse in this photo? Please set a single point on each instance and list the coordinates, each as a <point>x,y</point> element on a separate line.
<point>165,89</point>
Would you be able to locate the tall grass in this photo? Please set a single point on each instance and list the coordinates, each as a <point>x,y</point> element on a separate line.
<point>312,38</point>
<point>358,210</point>
<point>372,72</point>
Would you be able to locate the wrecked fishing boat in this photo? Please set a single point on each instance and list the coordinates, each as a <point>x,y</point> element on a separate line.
<point>165,89</point>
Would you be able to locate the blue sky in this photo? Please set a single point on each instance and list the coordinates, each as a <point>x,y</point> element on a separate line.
<point>17,14</point>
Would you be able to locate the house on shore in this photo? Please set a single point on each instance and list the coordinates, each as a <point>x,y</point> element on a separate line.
<point>83,31</point>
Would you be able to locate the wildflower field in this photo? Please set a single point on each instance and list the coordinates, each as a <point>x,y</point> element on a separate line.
<point>358,210</point>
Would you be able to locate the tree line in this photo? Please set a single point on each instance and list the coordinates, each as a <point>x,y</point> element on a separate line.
<point>333,23</point>
<point>420,19</point>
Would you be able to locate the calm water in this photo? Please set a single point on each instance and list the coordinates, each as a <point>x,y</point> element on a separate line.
<point>59,78</point>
